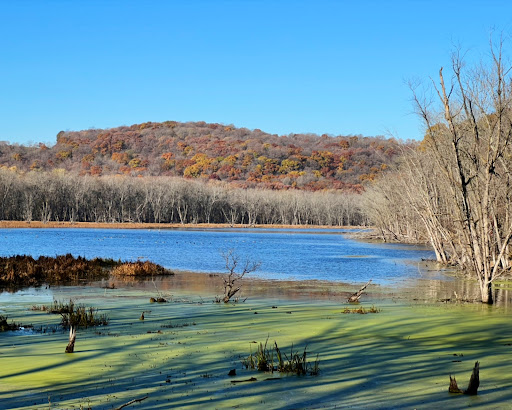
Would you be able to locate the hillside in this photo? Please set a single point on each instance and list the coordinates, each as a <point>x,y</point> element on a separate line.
<point>198,150</point>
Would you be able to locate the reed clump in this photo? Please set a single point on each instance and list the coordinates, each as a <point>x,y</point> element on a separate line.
<point>270,359</point>
<point>75,315</point>
<point>23,270</point>
<point>140,269</point>
<point>361,310</point>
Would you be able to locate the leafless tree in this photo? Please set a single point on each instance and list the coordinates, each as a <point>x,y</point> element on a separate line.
<point>455,187</point>
<point>233,280</point>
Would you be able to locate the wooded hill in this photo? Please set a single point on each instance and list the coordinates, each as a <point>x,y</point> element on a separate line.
<point>198,150</point>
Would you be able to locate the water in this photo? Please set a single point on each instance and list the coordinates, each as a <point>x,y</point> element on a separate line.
<point>284,254</point>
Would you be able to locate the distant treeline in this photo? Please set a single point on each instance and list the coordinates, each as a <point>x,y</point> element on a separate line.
<point>60,196</point>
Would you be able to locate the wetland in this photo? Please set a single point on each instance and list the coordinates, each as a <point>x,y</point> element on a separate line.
<point>425,327</point>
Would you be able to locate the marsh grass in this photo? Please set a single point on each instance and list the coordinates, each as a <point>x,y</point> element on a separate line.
<point>140,269</point>
<point>270,359</point>
<point>361,310</point>
<point>22,270</point>
<point>74,315</point>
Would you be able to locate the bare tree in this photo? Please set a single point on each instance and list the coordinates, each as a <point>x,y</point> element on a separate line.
<point>233,280</point>
<point>469,138</point>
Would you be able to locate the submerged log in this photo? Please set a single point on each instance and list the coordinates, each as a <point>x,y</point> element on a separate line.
<point>474,383</point>
<point>70,348</point>
<point>356,296</point>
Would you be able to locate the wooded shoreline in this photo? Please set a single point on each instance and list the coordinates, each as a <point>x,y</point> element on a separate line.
<point>133,225</point>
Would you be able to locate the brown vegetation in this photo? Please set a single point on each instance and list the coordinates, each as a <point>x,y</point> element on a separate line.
<point>140,269</point>
<point>23,270</point>
<point>5,326</point>
<point>134,225</point>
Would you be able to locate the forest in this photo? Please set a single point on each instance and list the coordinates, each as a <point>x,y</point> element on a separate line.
<point>175,172</point>
<point>201,151</point>
<point>59,196</point>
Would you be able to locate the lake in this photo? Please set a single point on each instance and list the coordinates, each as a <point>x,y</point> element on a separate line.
<point>285,254</point>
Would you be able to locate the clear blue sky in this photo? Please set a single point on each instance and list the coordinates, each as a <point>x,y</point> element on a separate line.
<point>336,67</point>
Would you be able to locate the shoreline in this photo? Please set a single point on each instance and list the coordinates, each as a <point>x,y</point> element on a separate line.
<point>136,225</point>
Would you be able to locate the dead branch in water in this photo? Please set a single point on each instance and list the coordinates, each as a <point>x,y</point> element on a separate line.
<point>356,296</point>
<point>131,402</point>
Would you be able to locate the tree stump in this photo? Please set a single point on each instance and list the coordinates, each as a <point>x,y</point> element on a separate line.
<point>70,348</point>
<point>474,382</point>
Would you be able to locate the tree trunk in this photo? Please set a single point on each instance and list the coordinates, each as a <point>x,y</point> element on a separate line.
<point>486,292</point>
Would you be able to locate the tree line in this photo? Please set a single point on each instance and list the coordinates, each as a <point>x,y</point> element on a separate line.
<point>60,196</point>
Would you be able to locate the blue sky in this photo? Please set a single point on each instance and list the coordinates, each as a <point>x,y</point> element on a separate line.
<point>336,67</point>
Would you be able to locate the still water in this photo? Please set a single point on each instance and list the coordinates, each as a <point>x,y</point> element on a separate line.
<point>284,254</point>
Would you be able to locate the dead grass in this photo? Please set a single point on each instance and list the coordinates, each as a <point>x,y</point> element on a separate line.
<point>140,270</point>
<point>5,326</point>
<point>23,270</point>
<point>361,310</point>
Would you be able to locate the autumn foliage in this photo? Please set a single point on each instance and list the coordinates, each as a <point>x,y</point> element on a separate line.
<point>197,150</point>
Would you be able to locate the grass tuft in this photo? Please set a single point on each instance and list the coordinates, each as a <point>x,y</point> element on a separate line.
<point>361,310</point>
<point>270,359</point>
<point>75,315</point>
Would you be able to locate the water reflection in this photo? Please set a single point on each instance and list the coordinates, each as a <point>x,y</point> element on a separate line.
<point>423,290</point>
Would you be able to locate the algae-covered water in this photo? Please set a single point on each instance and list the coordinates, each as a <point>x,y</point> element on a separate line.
<point>179,356</point>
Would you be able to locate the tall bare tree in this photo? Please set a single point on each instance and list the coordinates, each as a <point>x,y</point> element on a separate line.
<point>468,136</point>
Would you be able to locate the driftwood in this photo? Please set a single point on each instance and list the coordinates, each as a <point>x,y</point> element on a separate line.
<point>355,297</point>
<point>252,379</point>
<point>474,383</point>
<point>70,348</point>
<point>131,402</point>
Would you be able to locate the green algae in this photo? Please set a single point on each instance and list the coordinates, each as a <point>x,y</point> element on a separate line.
<point>400,358</point>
